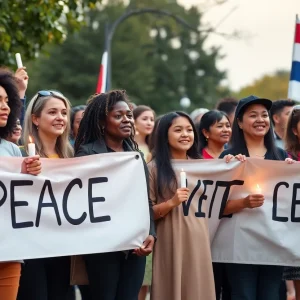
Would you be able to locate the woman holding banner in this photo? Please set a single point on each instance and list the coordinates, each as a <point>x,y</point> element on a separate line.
<point>47,122</point>
<point>292,145</point>
<point>107,126</point>
<point>252,136</point>
<point>10,108</point>
<point>182,266</point>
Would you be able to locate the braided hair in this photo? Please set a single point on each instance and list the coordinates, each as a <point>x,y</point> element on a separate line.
<point>94,117</point>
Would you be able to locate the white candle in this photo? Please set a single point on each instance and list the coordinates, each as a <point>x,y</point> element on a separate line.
<point>258,189</point>
<point>19,60</point>
<point>31,147</point>
<point>182,179</point>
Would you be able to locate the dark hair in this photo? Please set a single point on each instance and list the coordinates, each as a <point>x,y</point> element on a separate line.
<point>279,105</point>
<point>238,140</point>
<point>152,136</point>
<point>96,112</point>
<point>291,140</point>
<point>208,119</point>
<point>227,105</point>
<point>8,82</point>
<point>166,178</point>
<point>74,111</point>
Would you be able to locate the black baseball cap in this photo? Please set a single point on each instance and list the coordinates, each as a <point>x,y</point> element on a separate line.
<point>243,103</point>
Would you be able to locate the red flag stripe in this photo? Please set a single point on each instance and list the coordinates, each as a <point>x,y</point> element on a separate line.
<point>100,79</point>
<point>297,33</point>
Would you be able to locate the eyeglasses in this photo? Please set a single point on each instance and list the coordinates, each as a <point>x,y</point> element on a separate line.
<point>55,94</point>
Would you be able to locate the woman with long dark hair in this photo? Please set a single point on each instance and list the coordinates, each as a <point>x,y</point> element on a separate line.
<point>182,267</point>
<point>214,133</point>
<point>252,136</point>
<point>10,109</point>
<point>107,126</point>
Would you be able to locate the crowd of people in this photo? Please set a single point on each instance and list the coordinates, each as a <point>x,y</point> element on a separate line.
<point>181,267</point>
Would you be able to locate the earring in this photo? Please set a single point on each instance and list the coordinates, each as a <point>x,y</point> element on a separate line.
<point>37,127</point>
<point>102,130</point>
<point>207,138</point>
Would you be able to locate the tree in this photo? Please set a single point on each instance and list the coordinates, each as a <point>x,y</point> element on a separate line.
<point>26,26</point>
<point>272,86</point>
<point>156,60</point>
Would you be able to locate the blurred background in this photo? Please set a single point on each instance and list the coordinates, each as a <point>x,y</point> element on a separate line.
<point>224,48</point>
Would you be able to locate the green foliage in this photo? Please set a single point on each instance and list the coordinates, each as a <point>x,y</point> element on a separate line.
<point>156,69</point>
<point>272,86</point>
<point>26,26</point>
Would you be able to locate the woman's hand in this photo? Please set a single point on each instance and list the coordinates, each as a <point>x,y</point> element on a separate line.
<point>290,161</point>
<point>22,81</point>
<point>239,157</point>
<point>31,165</point>
<point>146,248</point>
<point>253,201</point>
<point>181,195</point>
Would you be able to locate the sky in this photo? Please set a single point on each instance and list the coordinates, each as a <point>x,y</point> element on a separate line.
<point>267,33</point>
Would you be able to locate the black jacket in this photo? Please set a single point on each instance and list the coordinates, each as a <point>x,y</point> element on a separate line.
<point>99,147</point>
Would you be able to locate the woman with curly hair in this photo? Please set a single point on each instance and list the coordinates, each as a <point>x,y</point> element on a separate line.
<point>107,126</point>
<point>10,107</point>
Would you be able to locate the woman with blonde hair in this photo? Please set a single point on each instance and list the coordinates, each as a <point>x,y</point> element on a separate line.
<point>47,122</point>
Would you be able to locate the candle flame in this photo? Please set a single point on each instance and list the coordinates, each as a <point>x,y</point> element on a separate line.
<point>181,170</point>
<point>30,139</point>
<point>258,187</point>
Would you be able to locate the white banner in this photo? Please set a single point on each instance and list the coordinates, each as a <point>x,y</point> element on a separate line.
<point>264,235</point>
<point>90,204</point>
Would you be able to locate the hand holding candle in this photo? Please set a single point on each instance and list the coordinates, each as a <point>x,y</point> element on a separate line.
<point>19,60</point>
<point>31,147</point>
<point>182,179</point>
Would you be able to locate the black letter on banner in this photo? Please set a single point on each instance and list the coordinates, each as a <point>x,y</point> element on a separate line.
<point>186,205</point>
<point>274,210</point>
<point>65,203</point>
<point>294,203</point>
<point>199,213</point>
<point>2,201</point>
<point>52,204</point>
<point>228,185</point>
<point>96,199</point>
<point>14,204</point>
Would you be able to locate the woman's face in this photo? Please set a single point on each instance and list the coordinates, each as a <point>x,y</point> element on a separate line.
<point>256,121</point>
<point>16,134</point>
<point>220,132</point>
<point>180,135</point>
<point>119,122</point>
<point>296,131</point>
<point>77,119</point>
<point>144,123</point>
<point>53,119</point>
<point>4,108</point>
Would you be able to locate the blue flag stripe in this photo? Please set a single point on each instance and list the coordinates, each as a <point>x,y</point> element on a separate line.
<point>295,73</point>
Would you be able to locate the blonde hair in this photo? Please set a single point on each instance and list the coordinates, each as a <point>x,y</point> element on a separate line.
<point>35,107</point>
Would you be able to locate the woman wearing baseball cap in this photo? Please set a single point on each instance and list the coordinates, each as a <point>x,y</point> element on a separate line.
<point>252,136</point>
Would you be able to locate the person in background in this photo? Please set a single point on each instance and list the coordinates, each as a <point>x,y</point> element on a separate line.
<point>214,132</point>
<point>197,114</point>
<point>76,116</point>
<point>16,133</point>
<point>228,106</point>
<point>182,266</point>
<point>292,144</point>
<point>108,126</point>
<point>22,79</point>
<point>10,106</point>
<point>144,123</point>
<point>252,136</point>
<point>47,121</point>
<point>280,112</point>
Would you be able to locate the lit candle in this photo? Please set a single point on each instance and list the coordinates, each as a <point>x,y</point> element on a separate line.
<point>258,189</point>
<point>19,60</point>
<point>182,179</point>
<point>31,147</point>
